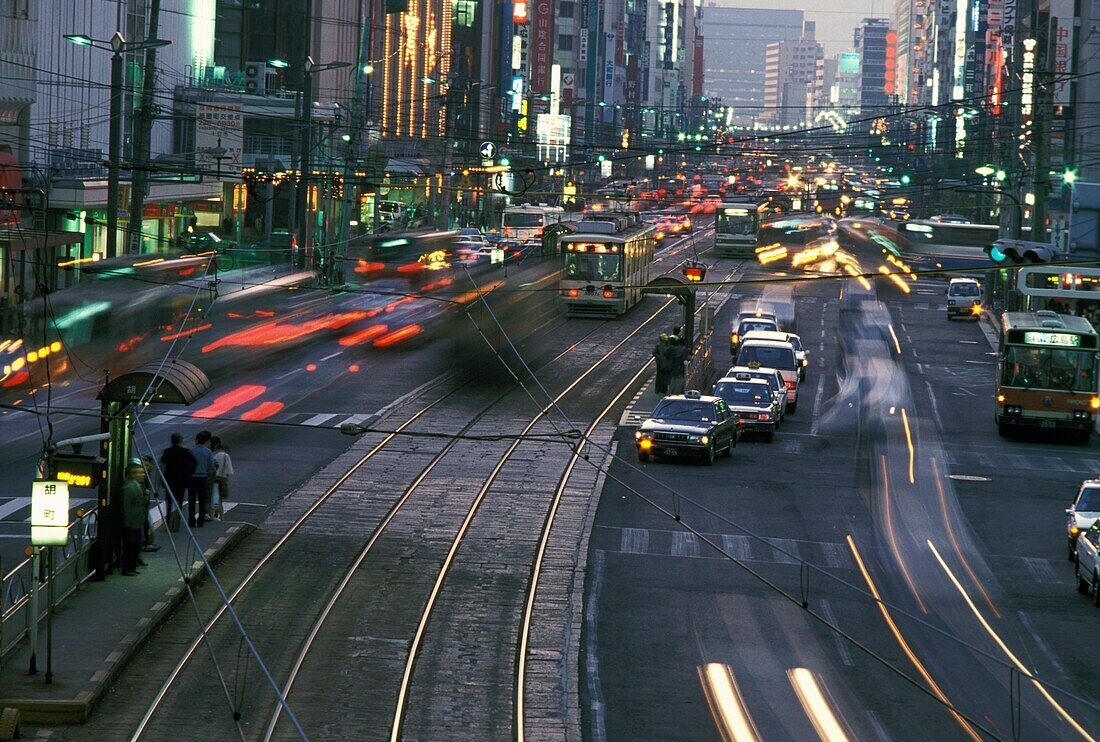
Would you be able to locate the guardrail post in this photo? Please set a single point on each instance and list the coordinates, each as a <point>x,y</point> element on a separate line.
<point>33,669</point>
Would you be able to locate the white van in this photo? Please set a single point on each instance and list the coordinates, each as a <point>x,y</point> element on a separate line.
<point>777,355</point>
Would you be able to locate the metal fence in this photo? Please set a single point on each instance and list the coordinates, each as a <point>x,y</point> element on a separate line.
<point>17,586</point>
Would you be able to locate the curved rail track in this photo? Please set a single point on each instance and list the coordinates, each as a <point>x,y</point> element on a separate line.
<point>316,578</point>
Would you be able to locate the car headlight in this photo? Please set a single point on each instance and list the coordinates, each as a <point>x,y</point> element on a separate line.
<point>1073,531</point>
<point>950,302</point>
<point>704,439</point>
<point>640,435</point>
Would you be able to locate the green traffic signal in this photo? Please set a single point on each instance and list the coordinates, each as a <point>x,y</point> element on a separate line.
<point>905,179</point>
<point>996,254</point>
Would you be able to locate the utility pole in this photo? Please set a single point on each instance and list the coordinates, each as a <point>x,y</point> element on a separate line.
<point>1044,89</point>
<point>143,130</point>
<point>301,193</point>
<point>114,144</point>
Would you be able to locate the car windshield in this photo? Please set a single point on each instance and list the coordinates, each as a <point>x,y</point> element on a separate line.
<point>964,289</point>
<point>1049,368</point>
<point>756,324</point>
<point>1089,500</point>
<point>766,355</point>
<point>740,393</point>
<point>686,410</point>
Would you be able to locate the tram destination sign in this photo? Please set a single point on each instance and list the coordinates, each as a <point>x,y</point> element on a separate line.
<point>1062,339</point>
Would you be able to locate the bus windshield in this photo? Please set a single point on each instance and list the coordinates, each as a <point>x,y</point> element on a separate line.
<point>593,267</point>
<point>1049,368</point>
<point>522,219</point>
<point>735,222</point>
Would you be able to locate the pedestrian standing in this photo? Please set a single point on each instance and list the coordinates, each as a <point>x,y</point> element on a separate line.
<point>677,355</point>
<point>133,516</point>
<point>223,473</point>
<point>152,487</point>
<point>198,489</point>
<point>660,356</point>
<point>178,464</point>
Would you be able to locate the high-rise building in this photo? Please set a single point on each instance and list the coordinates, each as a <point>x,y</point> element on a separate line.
<point>736,44</point>
<point>790,68</point>
<point>874,41</point>
<point>912,47</point>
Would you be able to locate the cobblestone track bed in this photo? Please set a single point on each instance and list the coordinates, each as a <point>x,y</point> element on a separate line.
<point>464,680</point>
<point>469,677</point>
<point>279,609</point>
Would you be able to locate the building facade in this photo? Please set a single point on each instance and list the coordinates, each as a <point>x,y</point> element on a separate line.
<point>790,68</point>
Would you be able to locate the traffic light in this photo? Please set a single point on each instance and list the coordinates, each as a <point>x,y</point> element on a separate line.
<point>1020,251</point>
<point>905,179</point>
<point>694,272</point>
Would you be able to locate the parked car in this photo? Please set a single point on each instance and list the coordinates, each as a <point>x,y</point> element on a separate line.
<point>1082,513</point>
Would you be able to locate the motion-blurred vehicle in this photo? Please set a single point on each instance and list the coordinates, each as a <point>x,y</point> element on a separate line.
<point>472,234</point>
<point>1082,513</point>
<point>964,298</point>
<point>688,424</point>
<point>752,400</point>
<point>749,322</point>
<point>949,219</point>
<point>777,355</point>
<point>1087,562</point>
<point>775,384</point>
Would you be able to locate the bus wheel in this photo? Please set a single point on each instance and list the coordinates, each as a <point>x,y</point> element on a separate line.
<point>1082,438</point>
<point>1002,430</point>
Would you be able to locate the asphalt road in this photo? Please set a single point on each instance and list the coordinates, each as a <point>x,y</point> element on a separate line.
<point>892,462</point>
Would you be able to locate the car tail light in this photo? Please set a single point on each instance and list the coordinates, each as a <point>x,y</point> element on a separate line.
<point>764,416</point>
<point>790,383</point>
<point>608,293</point>
<point>574,293</point>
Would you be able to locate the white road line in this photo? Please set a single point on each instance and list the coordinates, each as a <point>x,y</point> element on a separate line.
<point>841,644</point>
<point>1059,668</point>
<point>736,546</point>
<point>1041,570</point>
<point>935,407</point>
<point>319,419</point>
<point>288,373</point>
<point>356,419</point>
<point>685,544</point>
<point>634,541</point>
<point>14,506</point>
<point>332,355</point>
<point>817,405</point>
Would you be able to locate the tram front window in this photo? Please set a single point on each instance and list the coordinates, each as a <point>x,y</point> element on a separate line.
<point>592,267</point>
<point>736,224</point>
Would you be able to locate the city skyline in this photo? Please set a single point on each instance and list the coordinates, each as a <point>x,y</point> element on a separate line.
<point>835,23</point>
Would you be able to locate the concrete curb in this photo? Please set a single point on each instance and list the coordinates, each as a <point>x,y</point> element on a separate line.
<point>78,709</point>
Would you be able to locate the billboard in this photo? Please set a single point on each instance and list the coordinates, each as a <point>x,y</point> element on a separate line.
<point>540,44</point>
<point>848,63</point>
<point>219,125</point>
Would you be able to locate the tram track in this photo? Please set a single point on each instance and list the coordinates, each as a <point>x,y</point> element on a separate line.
<point>282,562</point>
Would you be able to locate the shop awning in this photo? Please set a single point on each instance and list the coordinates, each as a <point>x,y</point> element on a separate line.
<point>36,239</point>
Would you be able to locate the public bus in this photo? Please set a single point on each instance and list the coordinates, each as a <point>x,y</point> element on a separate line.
<point>1046,374</point>
<point>735,228</point>
<point>525,223</point>
<point>604,265</point>
<point>930,235</point>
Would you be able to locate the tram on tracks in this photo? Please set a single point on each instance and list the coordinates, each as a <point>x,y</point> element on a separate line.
<point>604,265</point>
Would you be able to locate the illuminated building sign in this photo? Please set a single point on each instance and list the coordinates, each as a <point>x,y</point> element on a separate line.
<point>542,34</point>
<point>962,10</point>
<point>890,76</point>
<point>1027,88</point>
<point>519,12</point>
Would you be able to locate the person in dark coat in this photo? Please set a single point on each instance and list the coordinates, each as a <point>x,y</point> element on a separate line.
<point>178,465</point>
<point>660,356</point>
<point>133,516</point>
<point>677,356</point>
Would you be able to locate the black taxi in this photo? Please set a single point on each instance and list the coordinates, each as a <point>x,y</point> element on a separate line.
<point>688,424</point>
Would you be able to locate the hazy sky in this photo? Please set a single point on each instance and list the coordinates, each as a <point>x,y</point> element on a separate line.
<point>835,19</point>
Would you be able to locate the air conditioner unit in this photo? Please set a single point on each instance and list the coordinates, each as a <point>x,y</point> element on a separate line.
<point>255,78</point>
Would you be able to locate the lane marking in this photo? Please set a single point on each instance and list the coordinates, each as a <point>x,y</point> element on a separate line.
<point>841,644</point>
<point>814,414</point>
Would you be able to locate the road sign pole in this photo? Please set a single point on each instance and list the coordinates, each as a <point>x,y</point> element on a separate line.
<point>33,669</point>
<point>49,615</point>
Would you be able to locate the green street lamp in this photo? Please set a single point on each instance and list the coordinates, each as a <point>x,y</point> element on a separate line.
<point>985,170</point>
<point>1069,177</point>
<point>281,64</point>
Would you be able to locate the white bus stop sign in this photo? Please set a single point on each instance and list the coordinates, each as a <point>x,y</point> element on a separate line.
<point>49,513</point>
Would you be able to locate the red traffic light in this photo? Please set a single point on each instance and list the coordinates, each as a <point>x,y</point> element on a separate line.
<point>695,273</point>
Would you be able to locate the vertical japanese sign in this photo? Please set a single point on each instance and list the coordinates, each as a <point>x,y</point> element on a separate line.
<point>219,125</point>
<point>541,44</point>
<point>1062,65</point>
<point>609,67</point>
<point>49,513</point>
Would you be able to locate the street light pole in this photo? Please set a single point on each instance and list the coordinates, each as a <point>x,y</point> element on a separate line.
<point>114,146</point>
<point>304,143</point>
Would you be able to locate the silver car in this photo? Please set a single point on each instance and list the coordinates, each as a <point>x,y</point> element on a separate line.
<point>775,384</point>
<point>1082,513</point>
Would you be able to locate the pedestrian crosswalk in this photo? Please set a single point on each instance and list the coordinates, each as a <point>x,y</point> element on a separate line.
<point>657,542</point>
<point>964,461</point>
<point>305,419</point>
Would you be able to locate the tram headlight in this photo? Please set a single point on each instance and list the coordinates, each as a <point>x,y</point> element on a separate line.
<point>1094,403</point>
